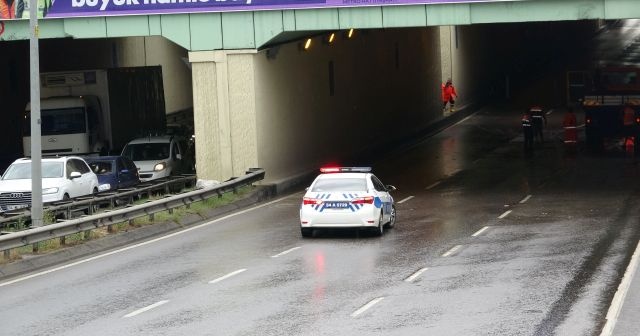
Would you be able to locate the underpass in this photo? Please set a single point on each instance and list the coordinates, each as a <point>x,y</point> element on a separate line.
<point>487,240</point>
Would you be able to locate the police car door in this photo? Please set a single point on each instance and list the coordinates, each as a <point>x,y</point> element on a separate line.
<point>383,195</point>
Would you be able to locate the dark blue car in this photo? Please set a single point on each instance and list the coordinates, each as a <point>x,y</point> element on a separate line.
<point>114,172</point>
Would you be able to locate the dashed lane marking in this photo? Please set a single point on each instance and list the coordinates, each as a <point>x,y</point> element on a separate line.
<point>433,185</point>
<point>285,252</point>
<point>505,214</point>
<point>416,274</point>
<point>366,307</point>
<point>147,308</point>
<point>479,232</point>
<point>406,199</point>
<point>452,251</point>
<point>227,276</point>
<point>524,200</point>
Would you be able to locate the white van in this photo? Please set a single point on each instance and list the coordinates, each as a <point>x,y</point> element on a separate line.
<point>159,156</point>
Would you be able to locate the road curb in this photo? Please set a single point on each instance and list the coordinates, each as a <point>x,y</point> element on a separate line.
<point>113,241</point>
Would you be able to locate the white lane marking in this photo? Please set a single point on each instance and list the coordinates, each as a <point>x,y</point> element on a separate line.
<point>416,274</point>
<point>479,232</point>
<point>366,307</point>
<point>463,120</point>
<point>453,173</point>
<point>550,111</point>
<point>227,276</point>
<point>147,308</point>
<point>433,185</point>
<point>452,251</point>
<point>524,200</point>
<point>139,244</point>
<point>406,199</point>
<point>505,214</point>
<point>285,252</point>
<point>621,293</point>
<point>581,125</point>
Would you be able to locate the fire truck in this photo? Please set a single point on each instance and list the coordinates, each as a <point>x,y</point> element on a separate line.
<point>611,103</point>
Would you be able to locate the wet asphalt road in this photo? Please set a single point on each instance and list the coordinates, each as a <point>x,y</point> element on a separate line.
<point>493,242</point>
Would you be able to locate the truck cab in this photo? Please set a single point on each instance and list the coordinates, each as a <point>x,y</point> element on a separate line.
<point>68,126</point>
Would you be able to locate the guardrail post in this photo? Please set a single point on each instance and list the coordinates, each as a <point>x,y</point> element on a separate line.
<point>35,247</point>
<point>110,229</point>
<point>152,217</point>
<point>63,240</point>
<point>7,254</point>
<point>87,234</point>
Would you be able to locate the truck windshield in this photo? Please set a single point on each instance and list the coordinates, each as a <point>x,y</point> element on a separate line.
<point>619,78</point>
<point>22,171</point>
<point>147,151</point>
<point>60,121</point>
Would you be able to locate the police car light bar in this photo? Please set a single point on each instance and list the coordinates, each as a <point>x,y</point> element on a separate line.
<point>345,170</point>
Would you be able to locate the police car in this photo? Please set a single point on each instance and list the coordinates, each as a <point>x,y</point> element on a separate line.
<point>347,197</point>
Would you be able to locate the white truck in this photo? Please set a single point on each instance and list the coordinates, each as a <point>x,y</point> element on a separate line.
<point>97,111</point>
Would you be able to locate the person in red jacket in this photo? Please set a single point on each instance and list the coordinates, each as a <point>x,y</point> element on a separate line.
<point>448,95</point>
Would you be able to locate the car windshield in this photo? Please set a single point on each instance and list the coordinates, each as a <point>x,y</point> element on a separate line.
<point>101,167</point>
<point>340,184</point>
<point>147,151</point>
<point>19,171</point>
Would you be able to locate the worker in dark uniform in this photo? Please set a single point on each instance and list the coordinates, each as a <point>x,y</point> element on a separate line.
<point>539,120</point>
<point>527,130</point>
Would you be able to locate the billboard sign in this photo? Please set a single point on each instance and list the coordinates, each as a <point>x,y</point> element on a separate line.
<point>17,9</point>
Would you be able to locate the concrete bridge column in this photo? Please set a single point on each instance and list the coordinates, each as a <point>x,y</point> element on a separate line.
<point>224,112</point>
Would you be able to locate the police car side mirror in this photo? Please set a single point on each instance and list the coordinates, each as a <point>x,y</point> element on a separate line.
<point>391,188</point>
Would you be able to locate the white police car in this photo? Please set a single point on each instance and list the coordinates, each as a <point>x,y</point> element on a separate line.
<point>347,197</point>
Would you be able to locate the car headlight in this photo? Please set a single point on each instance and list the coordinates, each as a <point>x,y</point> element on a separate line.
<point>104,187</point>
<point>48,191</point>
<point>160,166</point>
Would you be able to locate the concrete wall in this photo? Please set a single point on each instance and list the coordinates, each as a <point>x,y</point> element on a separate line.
<point>386,86</point>
<point>156,50</point>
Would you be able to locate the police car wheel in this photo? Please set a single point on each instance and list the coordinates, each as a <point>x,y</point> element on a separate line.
<point>306,232</point>
<point>378,231</point>
<point>392,219</point>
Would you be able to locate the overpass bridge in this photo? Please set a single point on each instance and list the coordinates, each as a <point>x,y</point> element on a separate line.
<point>252,89</point>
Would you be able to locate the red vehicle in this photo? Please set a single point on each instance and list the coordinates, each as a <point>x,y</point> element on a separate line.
<point>612,106</point>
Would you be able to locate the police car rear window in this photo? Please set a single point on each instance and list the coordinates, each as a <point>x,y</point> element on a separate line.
<point>340,184</point>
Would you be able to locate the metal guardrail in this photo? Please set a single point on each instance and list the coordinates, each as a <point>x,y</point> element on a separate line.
<point>60,230</point>
<point>90,202</point>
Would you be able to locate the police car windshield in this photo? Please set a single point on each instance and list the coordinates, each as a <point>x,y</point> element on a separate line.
<point>340,184</point>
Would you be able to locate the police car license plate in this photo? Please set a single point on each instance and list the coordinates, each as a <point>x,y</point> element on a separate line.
<point>336,205</point>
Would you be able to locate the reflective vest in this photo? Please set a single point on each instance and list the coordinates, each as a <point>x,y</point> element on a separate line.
<point>629,116</point>
<point>526,121</point>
